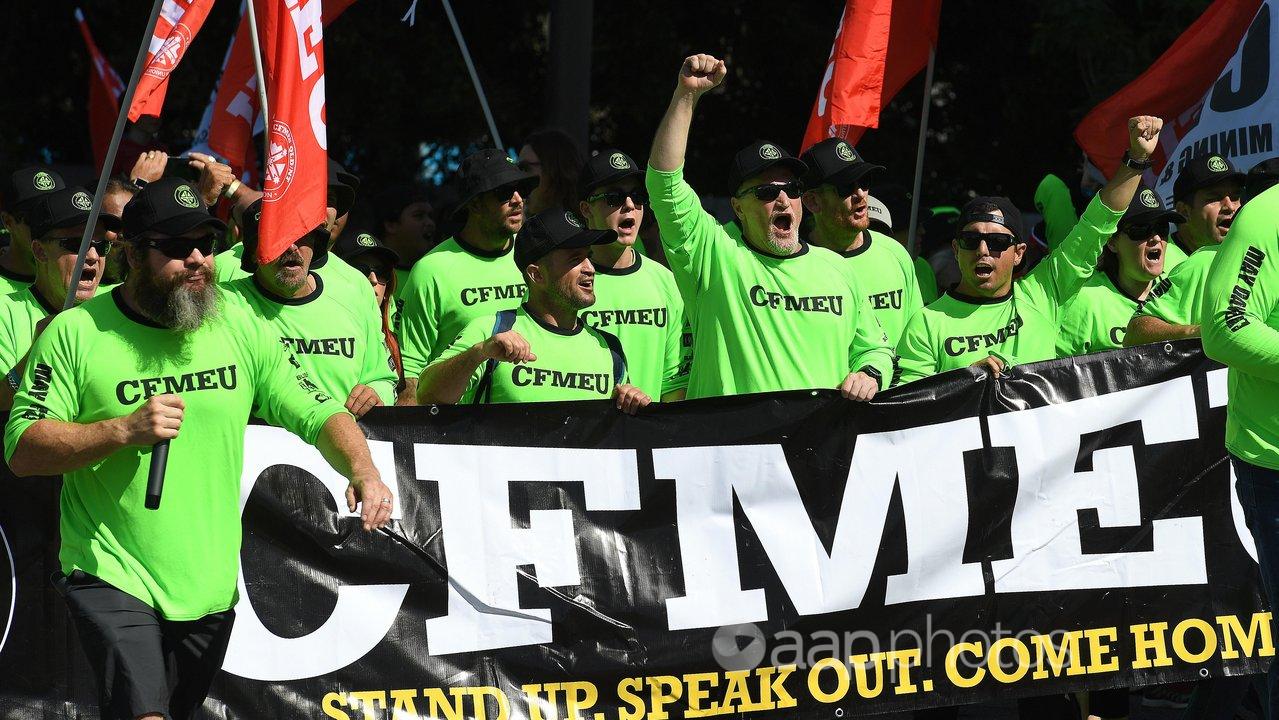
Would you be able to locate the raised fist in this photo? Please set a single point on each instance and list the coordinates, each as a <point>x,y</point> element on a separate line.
<point>701,73</point>
<point>1143,136</point>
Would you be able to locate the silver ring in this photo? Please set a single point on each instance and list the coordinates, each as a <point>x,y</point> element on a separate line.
<point>386,501</point>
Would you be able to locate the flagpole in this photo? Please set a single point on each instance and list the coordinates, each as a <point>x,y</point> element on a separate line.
<point>112,150</point>
<point>475,78</point>
<point>911,238</point>
<point>257,68</point>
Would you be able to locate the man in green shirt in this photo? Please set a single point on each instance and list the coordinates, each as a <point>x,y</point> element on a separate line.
<point>1206,193</point>
<point>769,312</point>
<point>468,276</point>
<point>1097,317</point>
<point>164,357</point>
<point>341,347</point>
<point>542,351</point>
<point>636,299</point>
<point>57,224</point>
<point>989,320</point>
<point>835,192</point>
<point>26,186</point>
<point>881,221</point>
<point>1241,329</point>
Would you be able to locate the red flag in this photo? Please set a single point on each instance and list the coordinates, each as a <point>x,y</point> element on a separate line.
<point>1172,88</point>
<point>105,89</point>
<point>176,27</point>
<point>235,107</point>
<point>296,173</point>
<point>879,46</point>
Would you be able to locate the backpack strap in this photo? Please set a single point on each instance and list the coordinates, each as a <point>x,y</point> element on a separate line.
<point>505,321</point>
<point>619,357</point>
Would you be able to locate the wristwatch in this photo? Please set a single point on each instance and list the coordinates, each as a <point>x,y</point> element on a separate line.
<point>1137,165</point>
<point>13,378</point>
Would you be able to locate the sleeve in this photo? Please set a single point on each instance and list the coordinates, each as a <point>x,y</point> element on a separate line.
<point>688,232</point>
<point>379,369</point>
<point>8,336</point>
<point>1052,199</point>
<point>870,348</point>
<point>50,386</point>
<point>915,351</point>
<point>284,394</point>
<point>1241,296</point>
<point>419,321</point>
<point>1060,275</point>
<point>476,331</point>
<point>1167,299</point>
<point>912,298</point>
<point>675,370</point>
<point>927,280</point>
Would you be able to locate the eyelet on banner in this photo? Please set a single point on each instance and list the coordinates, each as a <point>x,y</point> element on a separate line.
<point>1168,347</point>
<point>435,409</point>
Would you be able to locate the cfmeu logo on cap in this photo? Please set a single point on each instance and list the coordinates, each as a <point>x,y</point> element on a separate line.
<point>1217,164</point>
<point>43,181</point>
<point>769,151</point>
<point>619,161</point>
<point>186,197</point>
<point>1148,198</point>
<point>365,240</point>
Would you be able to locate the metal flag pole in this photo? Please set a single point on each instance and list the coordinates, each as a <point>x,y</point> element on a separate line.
<point>112,150</point>
<point>475,78</point>
<point>912,241</point>
<point>257,68</point>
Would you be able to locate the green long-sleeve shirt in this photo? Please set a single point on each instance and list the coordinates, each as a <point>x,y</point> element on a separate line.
<point>1241,329</point>
<point>1052,199</point>
<point>1177,297</point>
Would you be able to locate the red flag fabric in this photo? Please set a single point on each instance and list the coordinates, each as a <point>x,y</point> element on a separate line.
<point>177,26</point>
<point>105,89</point>
<point>1172,88</point>
<point>235,107</point>
<point>296,169</point>
<point>879,46</point>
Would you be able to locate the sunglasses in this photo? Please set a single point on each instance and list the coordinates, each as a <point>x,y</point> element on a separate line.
<point>768,192</point>
<point>996,243</point>
<point>1141,233</point>
<point>617,198</point>
<point>378,273</point>
<point>72,245</point>
<point>848,188</point>
<point>181,248</point>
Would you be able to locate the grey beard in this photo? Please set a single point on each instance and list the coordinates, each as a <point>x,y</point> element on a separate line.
<point>176,307</point>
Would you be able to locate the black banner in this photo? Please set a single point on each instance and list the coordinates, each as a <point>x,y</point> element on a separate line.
<point>1071,526</point>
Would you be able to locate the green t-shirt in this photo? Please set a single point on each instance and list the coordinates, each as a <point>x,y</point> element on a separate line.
<point>927,280</point>
<point>339,346</point>
<point>449,287</point>
<point>642,307</point>
<point>1241,328</point>
<point>1053,201</point>
<point>19,315</point>
<point>1020,327</point>
<point>886,274</point>
<point>761,322</point>
<point>1177,297</point>
<point>226,264</point>
<point>11,282</point>
<point>102,360</point>
<point>571,365</point>
<point>1173,255</point>
<point>1096,318</point>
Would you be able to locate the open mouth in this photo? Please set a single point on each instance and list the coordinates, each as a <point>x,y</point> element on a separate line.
<point>782,222</point>
<point>586,283</point>
<point>87,274</point>
<point>1153,254</point>
<point>627,223</point>
<point>984,270</point>
<point>1224,223</point>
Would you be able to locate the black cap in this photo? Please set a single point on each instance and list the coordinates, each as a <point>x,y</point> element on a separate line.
<point>488,170</point>
<point>65,208</point>
<point>1263,176</point>
<point>1148,208</point>
<point>249,221</point>
<point>349,246</point>
<point>170,206</point>
<point>28,184</point>
<point>979,210</point>
<point>833,162</point>
<point>342,188</point>
<point>1202,171</point>
<point>758,157</point>
<point>607,166</point>
<point>555,230</point>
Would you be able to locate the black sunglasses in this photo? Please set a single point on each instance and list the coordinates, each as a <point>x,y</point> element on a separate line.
<point>381,275</point>
<point>768,192</point>
<point>996,243</point>
<point>1141,233</point>
<point>846,189</point>
<point>72,245</point>
<point>617,198</point>
<point>180,248</point>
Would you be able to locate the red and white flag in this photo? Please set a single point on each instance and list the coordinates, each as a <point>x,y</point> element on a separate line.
<point>296,169</point>
<point>177,26</point>
<point>105,89</point>
<point>235,113</point>
<point>1216,87</point>
<point>879,46</point>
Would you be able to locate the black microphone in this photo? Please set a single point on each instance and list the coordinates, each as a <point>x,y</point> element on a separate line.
<point>155,477</point>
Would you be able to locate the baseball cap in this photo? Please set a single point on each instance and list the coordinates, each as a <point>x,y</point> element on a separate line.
<point>489,170</point>
<point>342,188</point>
<point>975,211</point>
<point>879,215</point>
<point>1263,176</point>
<point>65,208</point>
<point>607,166</point>
<point>833,161</point>
<point>555,230</point>
<point>29,184</point>
<point>170,206</point>
<point>1204,170</point>
<point>349,246</point>
<point>758,157</point>
<point>249,222</point>
<point>1148,208</point>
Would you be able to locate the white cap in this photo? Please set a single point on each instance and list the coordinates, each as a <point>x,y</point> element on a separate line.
<point>878,211</point>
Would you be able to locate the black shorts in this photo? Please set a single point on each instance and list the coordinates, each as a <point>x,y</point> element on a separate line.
<point>144,663</point>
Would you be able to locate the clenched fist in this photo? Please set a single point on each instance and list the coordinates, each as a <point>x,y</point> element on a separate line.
<point>701,73</point>
<point>1143,136</point>
<point>509,346</point>
<point>158,419</point>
